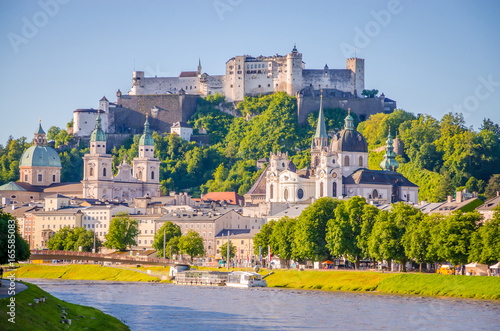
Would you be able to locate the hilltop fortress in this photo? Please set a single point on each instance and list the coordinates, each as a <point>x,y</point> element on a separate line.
<point>173,99</point>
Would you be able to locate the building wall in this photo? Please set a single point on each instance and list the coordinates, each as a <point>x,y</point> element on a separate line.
<point>84,122</point>
<point>50,175</point>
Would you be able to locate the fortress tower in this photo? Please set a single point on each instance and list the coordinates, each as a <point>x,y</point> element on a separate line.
<point>294,71</point>
<point>357,66</point>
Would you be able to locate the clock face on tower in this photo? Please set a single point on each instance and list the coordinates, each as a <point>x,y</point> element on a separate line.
<point>334,175</point>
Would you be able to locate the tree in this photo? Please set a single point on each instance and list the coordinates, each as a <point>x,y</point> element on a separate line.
<point>485,242</point>
<point>310,230</point>
<point>171,231</point>
<point>232,250</point>
<point>263,238</point>
<point>53,132</point>
<point>13,247</point>
<point>71,239</point>
<point>122,232</point>
<point>192,244</point>
<point>472,185</point>
<point>416,240</point>
<point>493,186</point>
<point>282,238</point>
<point>452,239</point>
<point>344,230</point>
<point>369,93</point>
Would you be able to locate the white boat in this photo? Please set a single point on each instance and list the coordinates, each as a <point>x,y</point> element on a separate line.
<point>245,279</point>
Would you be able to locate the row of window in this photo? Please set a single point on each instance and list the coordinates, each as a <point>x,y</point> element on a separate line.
<point>39,178</point>
<point>97,225</point>
<point>145,242</point>
<point>60,218</point>
<point>186,226</point>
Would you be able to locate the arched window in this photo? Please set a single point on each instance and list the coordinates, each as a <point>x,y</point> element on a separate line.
<point>321,188</point>
<point>346,161</point>
<point>91,171</point>
<point>375,194</point>
<point>334,189</point>
<point>316,161</point>
<point>26,177</point>
<point>40,177</point>
<point>139,175</point>
<point>272,191</point>
<point>360,161</point>
<point>104,172</point>
<point>300,193</point>
<point>53,178</point>
<point>285,194</point>
<point>152,175</point>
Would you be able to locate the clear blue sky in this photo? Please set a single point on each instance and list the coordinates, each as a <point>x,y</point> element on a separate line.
<point>428,55</point>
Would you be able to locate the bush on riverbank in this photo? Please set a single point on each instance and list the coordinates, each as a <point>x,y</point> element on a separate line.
<point>47,315</point>
<point>82,272</point>
<point>440,285</point>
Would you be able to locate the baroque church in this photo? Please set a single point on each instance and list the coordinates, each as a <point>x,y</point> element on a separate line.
<point>339,168</point>
<point>139,180</point>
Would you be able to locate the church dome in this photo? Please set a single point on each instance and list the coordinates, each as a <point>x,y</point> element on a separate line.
<point>349,139</point>
<point>98,134</point>
<point>40,156</point>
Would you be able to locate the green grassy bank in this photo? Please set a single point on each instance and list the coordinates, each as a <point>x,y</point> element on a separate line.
<point>47,315</point>
<point>82,272</point>
<point>360,281</point>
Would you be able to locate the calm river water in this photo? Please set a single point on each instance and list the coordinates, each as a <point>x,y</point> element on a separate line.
<point>149,306</point>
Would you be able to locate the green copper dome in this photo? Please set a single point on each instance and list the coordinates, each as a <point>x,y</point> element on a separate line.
<point>98,134</point>
<point>146,138</point>
<point>39,130</point>
<point>40,156</point>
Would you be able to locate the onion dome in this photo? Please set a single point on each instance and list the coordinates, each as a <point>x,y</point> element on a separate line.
<point>146,138</point>
<point>40,155</point>
<point>389,162</point>
<point>98,134</point>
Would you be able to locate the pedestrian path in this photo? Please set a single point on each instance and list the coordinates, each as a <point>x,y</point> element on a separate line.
<point>4,290</point>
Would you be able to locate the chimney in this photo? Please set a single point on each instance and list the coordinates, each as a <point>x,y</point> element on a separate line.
<point>459,196</point>
<point>449,199</point>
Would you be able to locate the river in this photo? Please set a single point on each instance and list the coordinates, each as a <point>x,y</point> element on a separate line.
<point>157,306</point>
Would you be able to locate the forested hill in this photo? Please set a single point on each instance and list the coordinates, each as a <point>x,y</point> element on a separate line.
<point>440,155</point>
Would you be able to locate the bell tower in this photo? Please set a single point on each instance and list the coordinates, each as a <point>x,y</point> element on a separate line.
<point>320,140</point>
<point>146,167</point>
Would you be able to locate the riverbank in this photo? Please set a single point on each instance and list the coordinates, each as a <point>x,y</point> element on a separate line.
<point>391,283</point>
<point>82,272</point>
<point>47,315</point>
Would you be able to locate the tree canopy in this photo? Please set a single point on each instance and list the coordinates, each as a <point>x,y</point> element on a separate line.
<point>192,244</point>
<point>122,232</point>
<point>13,247</point>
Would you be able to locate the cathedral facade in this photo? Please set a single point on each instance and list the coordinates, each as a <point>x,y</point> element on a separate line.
<point>339,168</point>
<point>140,179</point>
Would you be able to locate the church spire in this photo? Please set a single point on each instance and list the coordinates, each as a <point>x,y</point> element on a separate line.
<point>321,138</point>
<point>146,138</point>
<point>389,162</point>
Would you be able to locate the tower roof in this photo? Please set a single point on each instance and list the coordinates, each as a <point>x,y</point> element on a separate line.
<point>389,162</point>
<point>98,134</point>
<point>349,139</point>
<point>40,156</point>
<point>146,138</point>
<point>103,99</point>
<point>39,130</point>
<point>349,121</point>
<point>321,127</point>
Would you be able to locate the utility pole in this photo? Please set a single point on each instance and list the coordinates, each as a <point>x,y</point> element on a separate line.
<point>227,261</point>
<point>164,242</point>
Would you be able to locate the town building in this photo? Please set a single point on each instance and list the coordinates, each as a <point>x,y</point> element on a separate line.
<point>138,180</point>
<point>183,130</point>
<point>242,239</point>
<point>339,168</point>
<point>489,207</point>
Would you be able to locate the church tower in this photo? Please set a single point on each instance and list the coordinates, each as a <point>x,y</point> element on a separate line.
<point>146,167</point>
<point>320,140</point>
<point>97,165</point>
<point>389,162</point>
<point>293,71</point>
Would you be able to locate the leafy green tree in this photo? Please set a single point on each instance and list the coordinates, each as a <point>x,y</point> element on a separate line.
<point>282,238</point>
<point>485,242</point>
<point>171,231</point>
<point>451,240</point>
<point>344,230</point>
<point>263,238</point>
<point>122,232</point>
<point>12,246</point>
<point>369,93</point>
<point>232,250</point>
<point>53,132</point>
<point>57,242</point>
<point>369,216</point>
<point>472,185</point>
<point>416,239</point>
<point>310,230</point>
<point>192,244</point>
<point>493,186</point>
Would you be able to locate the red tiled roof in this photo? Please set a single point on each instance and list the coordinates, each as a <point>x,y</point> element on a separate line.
<point>231,198</point>
<point>189,74</point>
